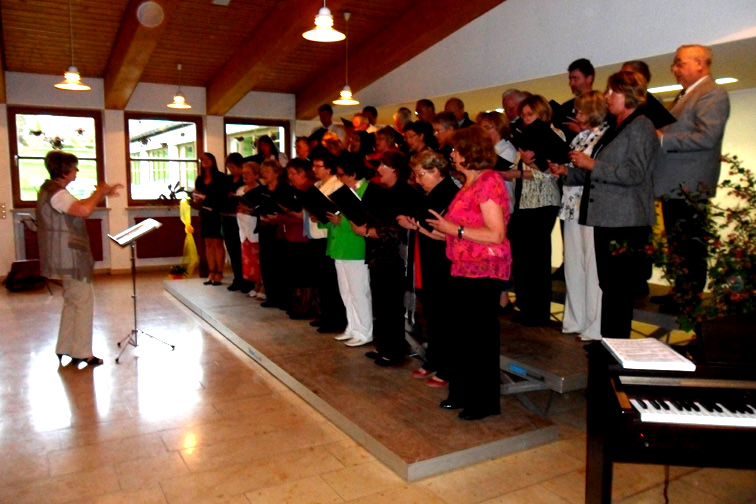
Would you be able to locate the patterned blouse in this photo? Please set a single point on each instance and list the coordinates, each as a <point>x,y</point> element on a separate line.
<point>471,259</point>
<point>585,141</point>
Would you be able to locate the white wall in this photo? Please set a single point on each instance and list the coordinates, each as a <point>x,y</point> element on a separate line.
<point>527,39</point>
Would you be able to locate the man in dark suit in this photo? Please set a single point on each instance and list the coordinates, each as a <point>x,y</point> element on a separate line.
<point>690,154</point>
<point>580,74</point>
<point>457,107</point>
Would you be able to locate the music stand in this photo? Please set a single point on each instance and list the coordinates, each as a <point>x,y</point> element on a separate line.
<point>125,238</point>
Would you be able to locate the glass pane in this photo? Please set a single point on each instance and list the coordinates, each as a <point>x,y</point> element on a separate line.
<point>153,179</point>
<point>37,134</point>
<point>32,173</point>
<point>242,138</point>
<point>172,137</point>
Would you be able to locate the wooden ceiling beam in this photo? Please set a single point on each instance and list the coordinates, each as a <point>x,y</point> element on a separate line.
<point>278,36</point>
<point>131,52</point>
<point>3,98</point>
<point>425,24</point>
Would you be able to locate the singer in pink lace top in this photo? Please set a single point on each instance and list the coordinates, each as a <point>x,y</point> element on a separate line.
<point>469,258</point>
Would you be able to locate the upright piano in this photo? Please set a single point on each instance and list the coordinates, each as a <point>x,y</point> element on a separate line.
<point>705,418</point>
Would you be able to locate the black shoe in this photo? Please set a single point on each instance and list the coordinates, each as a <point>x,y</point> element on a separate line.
<point>384,361</point>
<point>316,323</point>
<point>301,315</point>
<point>468,414</point>
<point>209,282</point>
<point>217,283</point>
<point>373,355</point>
<point>449,404</point>
<point>235,286</point>
<point>269,304</point>
<point>667,298</point>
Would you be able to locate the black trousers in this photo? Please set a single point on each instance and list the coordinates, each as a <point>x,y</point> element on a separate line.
<point>475,381</point>
<point>437,306</point>
<point>332,311</point>
<point>530,236</point>
<point>619,256</point>
<point>273,267</point>
<point>387,286</point>
<point>233,246</point>
<point>691,249</point>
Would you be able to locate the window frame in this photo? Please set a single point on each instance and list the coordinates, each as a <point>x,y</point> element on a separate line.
<point>284,123</point>
<point>200,148</point>
<point>13,111</point>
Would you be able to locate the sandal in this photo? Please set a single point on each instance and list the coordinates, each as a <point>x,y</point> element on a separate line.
<point>92,361</point>
<point>421,373</point>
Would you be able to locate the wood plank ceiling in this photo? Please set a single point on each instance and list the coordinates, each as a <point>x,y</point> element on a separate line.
<point>249,45</point>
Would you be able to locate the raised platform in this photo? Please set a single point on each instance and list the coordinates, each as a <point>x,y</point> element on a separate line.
<point>394,417</point>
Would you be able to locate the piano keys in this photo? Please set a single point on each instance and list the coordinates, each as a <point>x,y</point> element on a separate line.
<point>706,418</point>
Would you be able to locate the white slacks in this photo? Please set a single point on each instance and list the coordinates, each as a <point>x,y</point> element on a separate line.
<point>582,307</point>
<point>354,286</point>
<point>75,334</point>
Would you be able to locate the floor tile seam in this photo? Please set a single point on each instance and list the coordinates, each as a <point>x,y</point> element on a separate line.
<point>660,485</point>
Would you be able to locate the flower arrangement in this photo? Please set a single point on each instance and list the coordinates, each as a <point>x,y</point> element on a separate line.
<point>729,233</point>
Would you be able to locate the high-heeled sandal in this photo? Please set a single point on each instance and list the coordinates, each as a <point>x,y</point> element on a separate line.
<point>92,361</point>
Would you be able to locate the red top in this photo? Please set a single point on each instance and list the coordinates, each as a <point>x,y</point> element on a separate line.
<point>471,259</point>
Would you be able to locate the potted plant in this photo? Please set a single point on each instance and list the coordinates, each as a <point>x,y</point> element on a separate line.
<point>177,271</point>
<point>730,237</point>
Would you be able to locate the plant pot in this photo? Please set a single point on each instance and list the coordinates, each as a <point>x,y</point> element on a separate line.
<point>176,276</point>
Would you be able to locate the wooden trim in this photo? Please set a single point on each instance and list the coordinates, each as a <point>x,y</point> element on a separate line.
<point>131,53</point>
<point>13,144</point>
<point>198,120</point>
<point>428,22</point>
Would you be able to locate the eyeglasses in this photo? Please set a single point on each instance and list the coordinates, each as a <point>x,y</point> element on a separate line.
<point>420,174</point>
<point>679,63</point>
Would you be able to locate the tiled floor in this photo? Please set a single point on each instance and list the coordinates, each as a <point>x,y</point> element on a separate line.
<point>205,424</point>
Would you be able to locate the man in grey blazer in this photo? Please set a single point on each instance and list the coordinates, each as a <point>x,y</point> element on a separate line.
<point>690,154</point>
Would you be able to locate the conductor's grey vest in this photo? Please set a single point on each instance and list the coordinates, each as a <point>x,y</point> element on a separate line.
<point>63,239</point>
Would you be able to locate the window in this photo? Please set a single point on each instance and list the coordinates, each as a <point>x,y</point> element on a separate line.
<point>242,135</point>
<point>34,132</point>
<point>162,153</point>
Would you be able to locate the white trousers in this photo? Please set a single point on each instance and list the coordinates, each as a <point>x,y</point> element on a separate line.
<point>75,334</point>
<point>582,307</point>
<point>354,286</point>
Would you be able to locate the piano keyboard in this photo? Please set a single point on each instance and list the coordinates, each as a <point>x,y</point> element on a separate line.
<point>692,412</point>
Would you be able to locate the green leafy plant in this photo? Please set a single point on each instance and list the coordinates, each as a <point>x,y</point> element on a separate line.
<point>729,233</point>
<point>173,192</point>
<point>178,270</point>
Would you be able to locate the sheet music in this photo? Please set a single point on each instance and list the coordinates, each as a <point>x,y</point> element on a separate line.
<point>128,235</point>
<point>647,353</point>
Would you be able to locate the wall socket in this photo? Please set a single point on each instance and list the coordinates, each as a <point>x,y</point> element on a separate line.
<point>3,211</point>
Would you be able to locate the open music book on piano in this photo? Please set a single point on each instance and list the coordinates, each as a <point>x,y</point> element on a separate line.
<point>647,353</point>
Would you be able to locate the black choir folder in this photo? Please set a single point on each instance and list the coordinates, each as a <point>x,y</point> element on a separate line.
<point>351,206</point>
<point>545,143</point>
<point>317,203</point>
<point>647,353</point>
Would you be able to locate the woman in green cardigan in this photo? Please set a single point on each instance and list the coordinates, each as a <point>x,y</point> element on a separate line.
<point>348,252</point>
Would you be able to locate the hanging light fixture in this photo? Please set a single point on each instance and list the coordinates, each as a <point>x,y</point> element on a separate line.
<point>323,31</point>
<point>179,102</point>
<point>345,96</point>
<point>72,78</point>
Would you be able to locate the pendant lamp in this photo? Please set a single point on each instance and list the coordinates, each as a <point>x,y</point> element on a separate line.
<point>72,78</point>
<point>323,31</point>
<point>345,96</point>
<point>179,102</point>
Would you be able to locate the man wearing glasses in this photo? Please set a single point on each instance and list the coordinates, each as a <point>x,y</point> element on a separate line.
<point>690,154</point>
